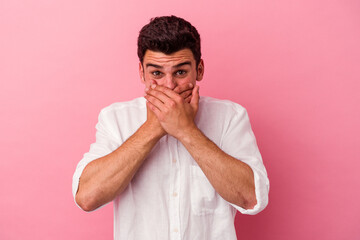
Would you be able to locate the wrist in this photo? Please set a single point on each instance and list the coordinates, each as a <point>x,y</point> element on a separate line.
<point>154,132</point>
<point>185,135</point>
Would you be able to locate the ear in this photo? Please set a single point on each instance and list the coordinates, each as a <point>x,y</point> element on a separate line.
<point>200,70</point>
<point>141,73</point>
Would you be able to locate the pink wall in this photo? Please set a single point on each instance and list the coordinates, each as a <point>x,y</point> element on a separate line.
<point>295,65</point>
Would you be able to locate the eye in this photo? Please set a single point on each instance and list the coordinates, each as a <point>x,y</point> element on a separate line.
<point>180,72</point>
<point>156,73</point>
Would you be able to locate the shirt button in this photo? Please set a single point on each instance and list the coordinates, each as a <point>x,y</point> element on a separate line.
<point>174,160</point>
<point>175,230</point>
<point>175,194</point>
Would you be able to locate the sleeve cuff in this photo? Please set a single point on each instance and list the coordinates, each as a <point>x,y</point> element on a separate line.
<point>75,181</point>
<point>262,187</point>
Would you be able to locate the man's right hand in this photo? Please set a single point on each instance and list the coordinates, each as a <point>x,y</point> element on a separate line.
<point>152,121</point>
<point>185,91</point>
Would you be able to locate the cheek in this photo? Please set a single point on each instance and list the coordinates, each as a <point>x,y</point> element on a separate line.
<point>157,82</point>
<point>189,79</point>
<point>160,82</point>
<point>149,80</point>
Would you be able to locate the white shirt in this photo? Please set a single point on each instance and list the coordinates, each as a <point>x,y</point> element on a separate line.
<point>170,197</point>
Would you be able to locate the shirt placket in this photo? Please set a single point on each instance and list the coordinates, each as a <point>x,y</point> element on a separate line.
<point>174,191</point>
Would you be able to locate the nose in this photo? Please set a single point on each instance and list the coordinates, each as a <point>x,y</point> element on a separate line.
<point>170,82</point>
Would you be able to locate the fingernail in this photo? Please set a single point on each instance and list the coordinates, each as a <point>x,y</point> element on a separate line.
<point>190,85</point>
<point>152,86</point>
<point>146,89</point>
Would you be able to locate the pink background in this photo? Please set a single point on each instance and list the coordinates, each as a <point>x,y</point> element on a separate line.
<point>295,66</point>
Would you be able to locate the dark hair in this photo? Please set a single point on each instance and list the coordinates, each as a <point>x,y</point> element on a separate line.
<point>169,34</point>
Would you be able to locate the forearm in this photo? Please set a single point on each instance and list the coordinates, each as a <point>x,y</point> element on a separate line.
<point>104,178</point>
<point>231,178</point>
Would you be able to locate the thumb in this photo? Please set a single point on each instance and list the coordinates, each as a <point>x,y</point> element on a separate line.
<point>195,96</point>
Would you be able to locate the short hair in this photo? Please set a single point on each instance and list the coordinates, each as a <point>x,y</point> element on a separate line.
<point>168,34</point>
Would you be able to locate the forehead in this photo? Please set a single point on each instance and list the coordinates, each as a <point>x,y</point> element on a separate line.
<point>163,59</point>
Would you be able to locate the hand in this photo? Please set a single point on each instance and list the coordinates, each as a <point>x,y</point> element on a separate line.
<point>185,91</point>
<point>175,115</point>
<point>153,123</point>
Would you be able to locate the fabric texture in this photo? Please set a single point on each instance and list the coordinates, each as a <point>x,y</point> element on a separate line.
<point>170,197</point>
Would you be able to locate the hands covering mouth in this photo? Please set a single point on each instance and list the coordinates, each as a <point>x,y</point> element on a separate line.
<point>175,110</point>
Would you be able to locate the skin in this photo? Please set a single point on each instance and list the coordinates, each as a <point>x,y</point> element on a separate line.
<point>231,178</point>
<point>172,103</point>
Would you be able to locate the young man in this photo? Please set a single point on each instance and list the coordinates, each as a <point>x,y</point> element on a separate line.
<point>176,165</point>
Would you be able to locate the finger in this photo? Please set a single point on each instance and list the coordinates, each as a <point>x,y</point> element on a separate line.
<point>195,96</point>
<point>152,82</point>
<point>185,94</point>
<point>154,92</point>
<point>184,87</point>
<point>188,99</point>
<point>154,109</point>
<point>155,102</point>
<point>168,92</point>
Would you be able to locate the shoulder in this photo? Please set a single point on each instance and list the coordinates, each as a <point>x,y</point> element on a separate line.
<point>221,105</point>
<point>217,118</point>
<point>136,103</point>
<point>122,112</point>
<point>123,118</point>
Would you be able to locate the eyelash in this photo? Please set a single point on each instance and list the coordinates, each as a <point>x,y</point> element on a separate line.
<point>158,73</point>
<point>183,72</point>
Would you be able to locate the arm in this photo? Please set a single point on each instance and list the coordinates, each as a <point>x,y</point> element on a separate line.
<point>106,177</point>
<point>231,178</point>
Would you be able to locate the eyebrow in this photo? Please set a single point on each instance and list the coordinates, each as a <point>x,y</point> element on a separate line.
<point>176,66</point>
<point>182,64</point>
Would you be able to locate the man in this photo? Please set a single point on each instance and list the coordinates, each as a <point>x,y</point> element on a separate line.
<point>176,165</point>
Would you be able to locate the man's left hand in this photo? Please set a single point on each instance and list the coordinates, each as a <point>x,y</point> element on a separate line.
<point>175,115</point>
